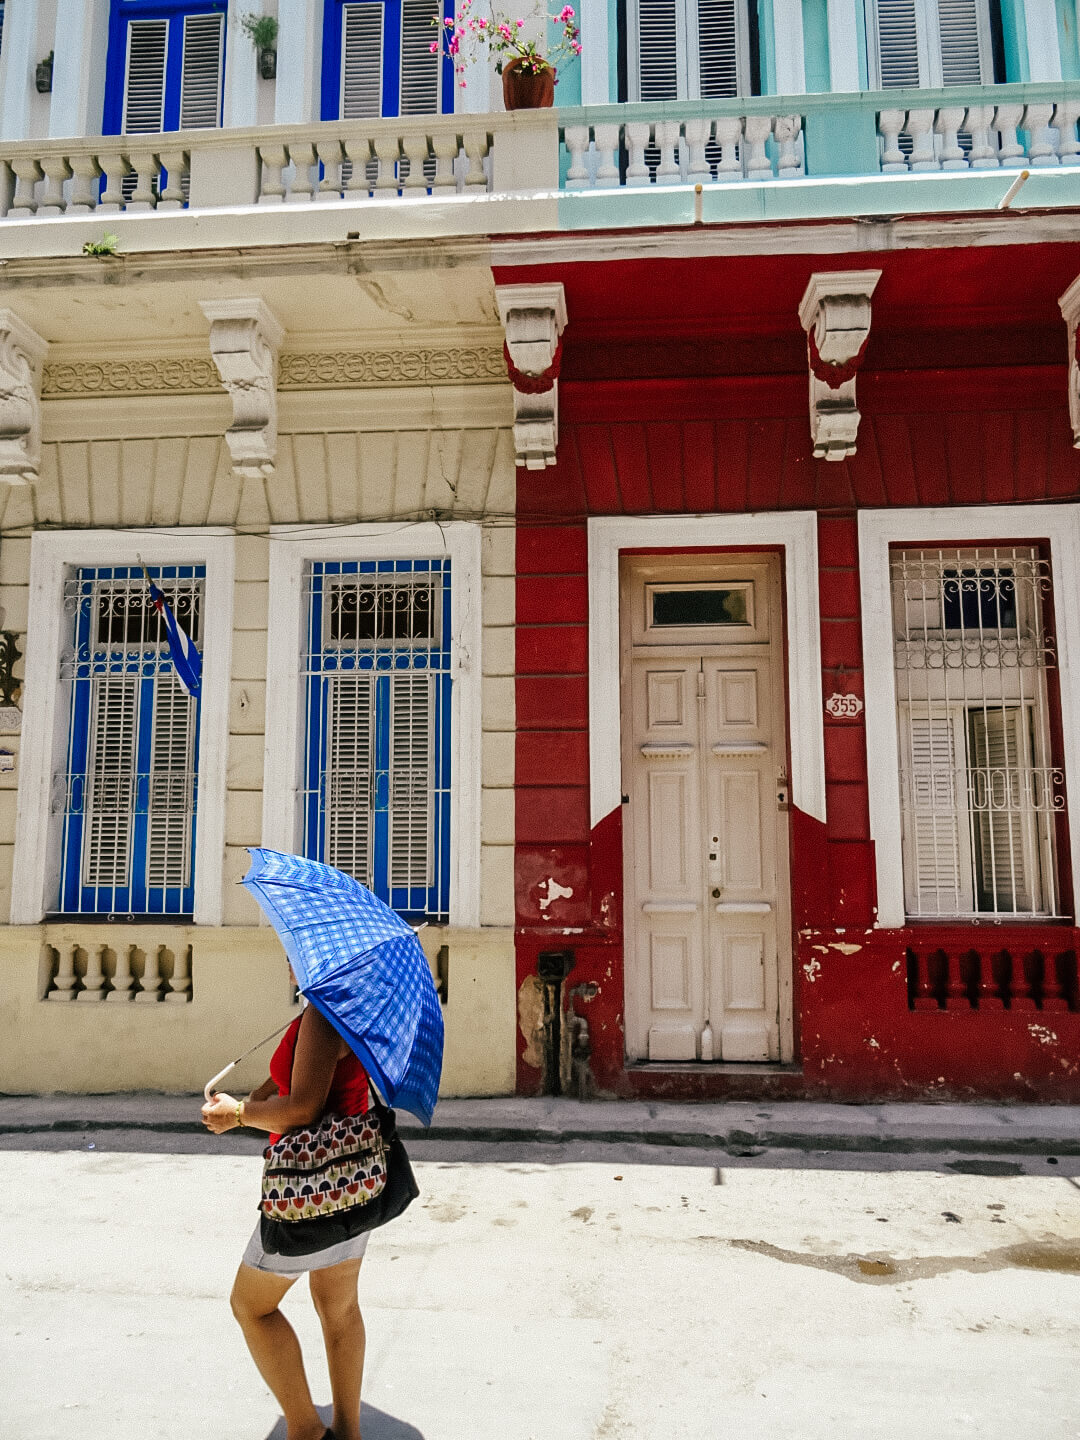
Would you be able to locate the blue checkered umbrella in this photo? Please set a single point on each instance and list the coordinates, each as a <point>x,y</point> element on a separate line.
<point>362,967</point>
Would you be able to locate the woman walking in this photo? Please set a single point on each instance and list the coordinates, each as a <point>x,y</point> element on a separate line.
<point>313,1073</point>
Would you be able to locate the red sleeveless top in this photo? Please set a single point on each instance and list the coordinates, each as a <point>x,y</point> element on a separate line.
<point>348,1089</point>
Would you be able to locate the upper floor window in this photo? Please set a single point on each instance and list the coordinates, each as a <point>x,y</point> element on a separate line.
<point>129,786</point>
<point>688,49</point>
<point>981,796</point>
<point>929,43</point>
<point>377,60</point>
<point>165,68</point>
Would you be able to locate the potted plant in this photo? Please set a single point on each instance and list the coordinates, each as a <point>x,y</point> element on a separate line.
<point>43,74</point>
<point>528,76</point>
<point>262,31</point>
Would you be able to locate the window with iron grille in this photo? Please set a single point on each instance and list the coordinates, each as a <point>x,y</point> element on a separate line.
<point>377,759</point>
<point>981,795</point>
<point>129,789</point>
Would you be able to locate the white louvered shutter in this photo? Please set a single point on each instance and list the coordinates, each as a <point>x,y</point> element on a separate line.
<point>200,84</point>
<point>962,42</point>
<point>419,68</point>
<point>144,89</point>
<point>1000,781</point>
<point>658,49</point>
<point>412,733</point>
<point>937,878</point>
<point>898,43</point>
<point>362,61</point>
<point>349,724</point>
<point>110,780</point>
<point>171,788</point>
<point>718,49</point>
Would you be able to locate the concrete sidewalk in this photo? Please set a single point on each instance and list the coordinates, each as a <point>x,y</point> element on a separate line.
<point>733,1127</point>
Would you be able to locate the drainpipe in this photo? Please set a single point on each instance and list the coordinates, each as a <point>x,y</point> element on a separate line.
<point>553,966</point>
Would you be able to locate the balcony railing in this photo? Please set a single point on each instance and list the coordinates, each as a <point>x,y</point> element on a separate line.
<point>763,138</point>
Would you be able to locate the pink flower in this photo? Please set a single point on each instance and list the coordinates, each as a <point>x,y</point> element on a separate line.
<point>483,24</point>
<point>519,23</point>
<point>566,13</point>
<point>449,24</point>
<point>434,47</point>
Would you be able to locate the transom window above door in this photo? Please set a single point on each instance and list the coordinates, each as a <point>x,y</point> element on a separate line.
<point>166,67</point>
<point>929,43</point>
<point>377,60</point>
<point>688,49</point>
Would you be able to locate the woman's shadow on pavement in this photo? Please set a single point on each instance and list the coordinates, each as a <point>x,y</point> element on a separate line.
<point>375,1425</point>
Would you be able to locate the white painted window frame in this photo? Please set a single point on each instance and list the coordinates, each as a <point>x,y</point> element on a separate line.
<point>794,532</point>
<point>928,30</point>
<point>687,48</point>
<point>46,718</point>
<point>1058,526</point>
<point>291,548</point>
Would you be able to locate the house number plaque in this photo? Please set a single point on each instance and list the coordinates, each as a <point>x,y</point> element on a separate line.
<point>844,707</point>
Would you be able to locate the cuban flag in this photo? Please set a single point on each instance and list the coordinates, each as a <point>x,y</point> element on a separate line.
<point>187,662</point>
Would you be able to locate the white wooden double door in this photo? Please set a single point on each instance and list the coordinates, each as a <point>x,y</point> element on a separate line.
<point>708,975</point>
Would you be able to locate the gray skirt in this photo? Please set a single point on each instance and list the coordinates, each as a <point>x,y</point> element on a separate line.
<point>258,1259</point>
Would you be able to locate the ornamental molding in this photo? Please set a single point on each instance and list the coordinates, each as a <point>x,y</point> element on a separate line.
<point>1070,312</point>
<point>534,317</point>
<point>297,370</point>
<point>245,337</point>
<point>835,313</point>
<point>22,356</point>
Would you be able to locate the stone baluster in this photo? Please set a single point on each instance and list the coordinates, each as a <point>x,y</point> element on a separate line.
<point>123,979</point>
<point>145,165</point>
<point>577,143</point>
<point>1066,114</point>
<point>950,120</point>
<point>446,149</point>
<point>1042,140</point>
<point>330,158</point>
<point>957,996</point>
<point>729,134</point>
<point>989,991</point>
<point>758,128</point>
<point>1054,994</point>
<point>387,148</point>
<point>411,168</point>
<point>638,133</point>
<point>698,171</point>
<point>983,154</point>
<point>149,992</point>
<point>180,991</point>
<point>1006,123</point>
<point>667,138</point>
<point>358,158</point>
<point>27,174</point>
<point>1020,996</point>
<point>475,150</point>
<point>787,129</point>
<point>57,174</point>
<point>85,186</point>
<point>303,159</point>
<point>920,127</point>
<point>274,160</point>
<point>606,144</point>
<point>116,170</point>
<point>890,124</point>
<point>65,978</point>
<point>94,980</point>
<point>175,165</point>
<point>925,987</point>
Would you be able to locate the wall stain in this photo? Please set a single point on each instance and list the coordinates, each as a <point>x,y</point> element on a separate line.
<point>1059,1256</point>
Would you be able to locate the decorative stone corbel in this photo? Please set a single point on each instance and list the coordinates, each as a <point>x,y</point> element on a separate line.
<point>245,337</point>
<point>1070,310</point>
<point>22,359</point>
<point>534,317</point>
<point>835,313</point>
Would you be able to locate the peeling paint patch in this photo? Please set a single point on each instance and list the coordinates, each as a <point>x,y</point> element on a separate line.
<point>874,1044</point>
<point>812,970</point>
<point>1042,1034</point>
<point>896,967</point>
<point>555,891</point>
<point>845,947</point>
<point>530,1002</point>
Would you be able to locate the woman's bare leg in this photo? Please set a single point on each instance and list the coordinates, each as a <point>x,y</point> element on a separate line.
<point>274,1347</point>
<point>334,1293</point>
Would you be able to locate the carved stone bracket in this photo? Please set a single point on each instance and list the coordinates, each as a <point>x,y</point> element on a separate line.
<point>22,358</point>
<point>835,313</point>
<point>245,338</point>
<point>1070,310</point>
<point>534,317</point>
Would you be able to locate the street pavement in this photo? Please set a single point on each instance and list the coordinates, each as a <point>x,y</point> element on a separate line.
<point>564,1288</point>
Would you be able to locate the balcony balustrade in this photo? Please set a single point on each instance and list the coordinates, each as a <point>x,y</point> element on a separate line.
<point>594,149</point>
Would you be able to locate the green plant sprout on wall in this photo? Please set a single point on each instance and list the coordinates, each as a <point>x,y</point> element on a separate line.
<point>262,30</point>
<point>107,245</point>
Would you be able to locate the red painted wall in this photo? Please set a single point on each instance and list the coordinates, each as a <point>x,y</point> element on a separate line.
<point>706,442</point>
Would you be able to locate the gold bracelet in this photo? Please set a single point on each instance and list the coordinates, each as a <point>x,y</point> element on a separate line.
<point>240,1112</point>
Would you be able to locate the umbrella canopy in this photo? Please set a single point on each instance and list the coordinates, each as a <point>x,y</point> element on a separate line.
<point>362,967</point>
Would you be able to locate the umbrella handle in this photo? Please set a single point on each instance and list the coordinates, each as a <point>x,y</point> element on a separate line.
<point>211,1085</point>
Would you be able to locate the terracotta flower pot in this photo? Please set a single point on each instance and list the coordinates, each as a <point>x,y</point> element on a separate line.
<point>527,89</point>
